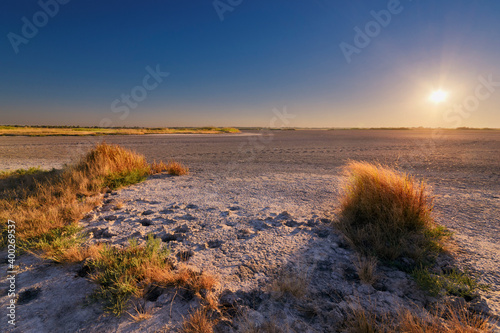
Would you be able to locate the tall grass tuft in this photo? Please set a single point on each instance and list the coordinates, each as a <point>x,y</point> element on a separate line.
<point>121,272</point>
<point>387,214</point>
<point>43,201</point>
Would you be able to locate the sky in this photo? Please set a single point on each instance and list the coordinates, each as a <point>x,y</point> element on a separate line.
<point>280,63</point>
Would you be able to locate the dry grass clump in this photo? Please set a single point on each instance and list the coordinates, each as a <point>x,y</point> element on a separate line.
<point>63,245</point>
<point>77,253</point>
<point>446,319</point>
<point>105,159</point>
<point>362,321</point>
<point>202,284</point>
<point>386,214</point>
<point>172,168</point>
<point>20,172</point>
<point>290,282</point>
<point>367,269</point>
<point>198,322</point>
<point>141,313</point>
<point>450,319</point>
<point>43,202</point>
<point>124,273</point>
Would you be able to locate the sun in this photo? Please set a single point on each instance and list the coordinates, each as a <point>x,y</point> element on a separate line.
<point>438,96</point>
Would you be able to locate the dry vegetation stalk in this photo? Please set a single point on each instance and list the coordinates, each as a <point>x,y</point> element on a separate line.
<point>446,319</point>
<point>198,322</point>
<point>172,168</point>
<point>125,273</point>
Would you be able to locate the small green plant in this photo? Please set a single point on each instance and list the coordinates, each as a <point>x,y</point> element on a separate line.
<point>435,238</point>
<point>431,283</point>
<point>457,283</point>
<point>21,172</point>
<point>125,178</point>
<point>123,273</point>
<point>56,241</point>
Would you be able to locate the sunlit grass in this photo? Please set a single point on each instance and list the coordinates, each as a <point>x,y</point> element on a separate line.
<point>124,273</point>
<point>387,215</point>
<point>46,202</point>
<point>445,318</point>
<point>21,172</point>
<point>92,131</point>
<point>172,168</point>
<point>121,272</point>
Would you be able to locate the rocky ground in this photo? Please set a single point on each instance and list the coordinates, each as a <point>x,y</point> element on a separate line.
<point>255,221</point>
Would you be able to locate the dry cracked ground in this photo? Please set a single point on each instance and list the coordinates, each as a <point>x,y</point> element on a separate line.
<point>254,218</point>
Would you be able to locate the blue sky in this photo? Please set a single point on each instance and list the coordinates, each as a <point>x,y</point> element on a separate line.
<point>231,62</point>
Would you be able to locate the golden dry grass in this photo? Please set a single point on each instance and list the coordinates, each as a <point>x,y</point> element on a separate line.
<point>123,273</point>
<point>141,313</point>
<point>198,322</point>
<point>172,168</point>
<point>455,320</point>
<point>362,321</point>
<point>72,254</point>
<point>42,202</point>
<point>367,269</point>
<point>45,204</point>
<point>387,214</point>
<point>93,131</point>
<point>290,282</point>
<point>446,319</point>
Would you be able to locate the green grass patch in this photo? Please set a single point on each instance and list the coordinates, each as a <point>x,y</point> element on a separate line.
<point>122,273</point>
<point>21,172</point>
<point>55,242</point>
<point>121,179</point>
<point>457,283</point>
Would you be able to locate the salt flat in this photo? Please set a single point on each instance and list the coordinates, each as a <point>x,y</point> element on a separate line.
<point>255,203</point>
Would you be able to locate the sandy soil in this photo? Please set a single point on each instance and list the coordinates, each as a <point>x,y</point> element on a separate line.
<point>260,201</point>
